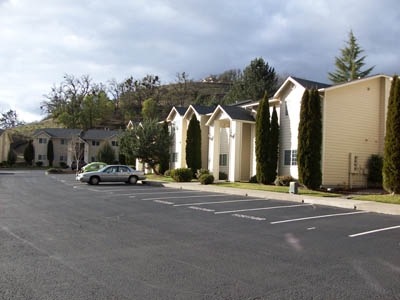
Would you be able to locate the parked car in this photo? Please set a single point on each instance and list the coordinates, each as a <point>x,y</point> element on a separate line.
<point>112,173</point>
<point>80,165</point>
<point>93,166</point>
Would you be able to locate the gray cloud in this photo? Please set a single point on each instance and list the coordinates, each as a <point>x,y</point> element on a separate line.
<point>42,40</point>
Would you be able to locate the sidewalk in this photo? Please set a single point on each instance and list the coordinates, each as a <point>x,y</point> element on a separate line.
<point>383,208</point>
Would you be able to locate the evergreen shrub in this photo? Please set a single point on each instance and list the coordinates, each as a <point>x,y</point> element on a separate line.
<point>223,176</point>
<point>206,179</point>
<point>182,174</point>
<point>375,165</point>
<point>201,172</point>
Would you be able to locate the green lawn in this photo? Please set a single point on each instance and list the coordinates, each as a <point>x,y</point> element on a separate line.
<point>274,188</point>
<point>284,189</point>
<point>394,199</point>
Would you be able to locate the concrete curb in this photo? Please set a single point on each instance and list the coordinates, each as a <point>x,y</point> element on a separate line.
<point>382,208</point>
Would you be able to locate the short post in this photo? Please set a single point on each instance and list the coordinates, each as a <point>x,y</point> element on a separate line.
<point>293,188</point>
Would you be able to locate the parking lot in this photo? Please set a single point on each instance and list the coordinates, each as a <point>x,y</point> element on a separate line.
<point>151,242</point>
<point>272,212</point>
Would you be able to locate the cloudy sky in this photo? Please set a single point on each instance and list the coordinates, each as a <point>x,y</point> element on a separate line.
<point>42,40</point>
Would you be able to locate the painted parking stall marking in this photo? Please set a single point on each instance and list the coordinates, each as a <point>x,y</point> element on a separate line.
<point>221,202</point>
<point>201,208</point>
<point>374,231</point>
<point>320,217</point>
<point>261,208</point>
<point>186,197</point>
<point>164,202</point>
<point>249,217</point>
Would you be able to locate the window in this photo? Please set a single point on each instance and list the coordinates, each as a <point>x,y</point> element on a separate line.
<point>62,142</point>
<point>286,109</point>
<point>95,143</point>
<point>93,158</point>
<point>42,157</point>
<point>114,143</point>
<point>63,158</point>
<point>290,158</point>
<point>174,157</point>
<point>223,159</point>
<point>42,141</point>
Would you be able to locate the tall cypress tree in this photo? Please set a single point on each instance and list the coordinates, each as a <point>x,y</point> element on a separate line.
<point>315,135</point>
<point>29,153</point>
<point>50,153</point>
<point>310,140</point>
<point>274,146</point>
<point>303,138</point>
<point>391,157</point>
<point>262,140</point>
<point>193,145</point>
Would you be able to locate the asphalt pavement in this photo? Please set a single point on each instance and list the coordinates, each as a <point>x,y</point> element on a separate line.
<point>371,206</point>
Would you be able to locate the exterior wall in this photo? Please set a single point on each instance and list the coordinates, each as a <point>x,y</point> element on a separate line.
<point>41,149</point>
<point>224,149</point>
<point>204,141</point>
<point>289,116</point>
<point>60,151</point>
<point>5,145</point>
<point>246,152</point>
<point>178,142</point>
<point>91,150</point>
<point>353,129</point>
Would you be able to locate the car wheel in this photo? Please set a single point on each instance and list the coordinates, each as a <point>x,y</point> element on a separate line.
<point>133,180</point>
<point>94,180</point>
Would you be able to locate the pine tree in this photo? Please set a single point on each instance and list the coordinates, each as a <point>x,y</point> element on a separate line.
<point>391,157</point>
<point>262,141</point>
<point>193,145</point>
<point>310,140</point>
<point>274,146</point>
<point>50,153</point>
<point>348,65</point>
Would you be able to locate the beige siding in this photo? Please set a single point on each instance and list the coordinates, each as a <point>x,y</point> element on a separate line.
<point>246,153</point>
<point>289,116</point>
<point>224,148</point>
<point>5,144</point>
<point>41,149</point>
<point>352,123</point>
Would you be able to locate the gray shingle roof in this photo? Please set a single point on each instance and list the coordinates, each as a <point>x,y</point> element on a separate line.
<point>203,110</point>
<point>181,110</point>
<point>99,134</point>
<point>64,133</point>
<point>238,113</point>
<point>58,132</point>
<point>309,84</point>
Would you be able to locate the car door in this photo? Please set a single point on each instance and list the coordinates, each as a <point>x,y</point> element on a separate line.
<point>110,174</point>
<point>123,173</point>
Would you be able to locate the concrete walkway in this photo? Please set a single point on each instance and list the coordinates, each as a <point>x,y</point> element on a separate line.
<point>383,208</point>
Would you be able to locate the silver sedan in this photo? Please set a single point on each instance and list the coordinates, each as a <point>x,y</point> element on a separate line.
<point>112,173</point>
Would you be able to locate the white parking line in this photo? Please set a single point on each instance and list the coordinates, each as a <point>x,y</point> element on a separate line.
<point>319,217</point>
<point>200,208</point>
<point>261,208</point>
<point>249,217</point>
<point>374,231</point>
<point>218,202</point>
<point>164,202</point>
<point>164,192</point>
<point>161,198</point>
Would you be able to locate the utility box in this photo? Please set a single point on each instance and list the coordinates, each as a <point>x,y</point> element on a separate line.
<point>294,187</point>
